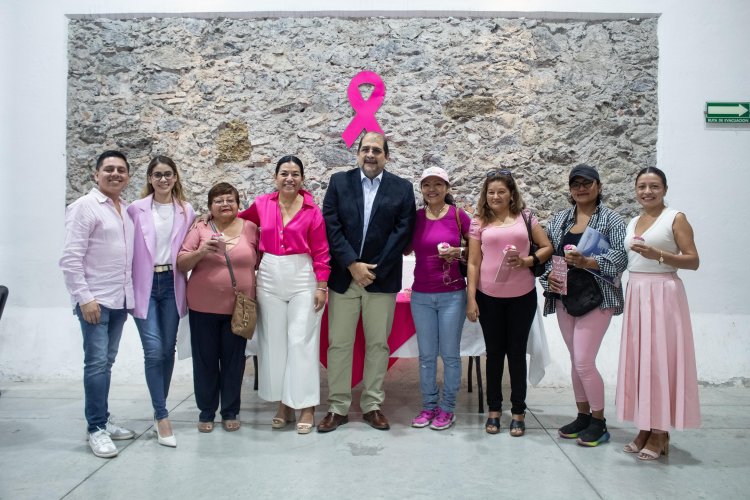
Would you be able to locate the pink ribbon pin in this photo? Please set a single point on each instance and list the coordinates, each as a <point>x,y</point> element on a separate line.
<point>365,110</point>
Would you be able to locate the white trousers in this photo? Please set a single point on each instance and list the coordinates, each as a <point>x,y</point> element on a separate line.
<point>288,331</point>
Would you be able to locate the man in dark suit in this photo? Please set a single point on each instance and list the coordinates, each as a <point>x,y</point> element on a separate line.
<point>369,215</point>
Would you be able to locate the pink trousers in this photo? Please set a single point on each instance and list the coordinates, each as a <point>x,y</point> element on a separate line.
<point>583,335</point>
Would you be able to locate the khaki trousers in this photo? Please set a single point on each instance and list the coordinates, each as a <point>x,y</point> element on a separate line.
<point>377,318</point>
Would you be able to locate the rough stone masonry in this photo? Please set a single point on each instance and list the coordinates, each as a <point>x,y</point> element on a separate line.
<point>225,98</point>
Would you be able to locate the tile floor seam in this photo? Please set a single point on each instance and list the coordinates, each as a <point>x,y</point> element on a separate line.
<point>556,441</point>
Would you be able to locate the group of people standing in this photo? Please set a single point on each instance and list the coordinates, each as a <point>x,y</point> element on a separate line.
<point>295,258</point>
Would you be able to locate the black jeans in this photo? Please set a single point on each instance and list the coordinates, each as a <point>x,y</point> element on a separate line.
<point>505,326</point>
<point>218,364</point>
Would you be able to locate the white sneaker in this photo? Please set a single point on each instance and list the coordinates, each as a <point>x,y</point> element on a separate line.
<point>117,433</point>
<point>101,444</point>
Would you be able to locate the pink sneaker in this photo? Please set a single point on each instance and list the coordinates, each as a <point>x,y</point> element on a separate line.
<point>442,420</point>
<point>424,418</point>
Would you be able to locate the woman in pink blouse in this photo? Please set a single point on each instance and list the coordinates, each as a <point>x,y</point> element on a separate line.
<point>292,286</point>
<point>505,302</point>
<point>218,354</point>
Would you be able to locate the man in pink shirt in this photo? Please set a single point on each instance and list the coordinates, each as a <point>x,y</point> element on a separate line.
<point>96,263</point>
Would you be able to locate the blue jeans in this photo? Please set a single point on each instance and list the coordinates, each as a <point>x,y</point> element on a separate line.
<point>100,344</point>
<point>439,318</point>
<point>159,335</point>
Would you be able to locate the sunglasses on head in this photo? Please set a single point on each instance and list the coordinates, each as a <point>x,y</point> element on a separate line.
<point>495,173</point>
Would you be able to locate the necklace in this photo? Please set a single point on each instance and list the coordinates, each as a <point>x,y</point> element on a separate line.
<point>163,210</point>
<point>436,215</point>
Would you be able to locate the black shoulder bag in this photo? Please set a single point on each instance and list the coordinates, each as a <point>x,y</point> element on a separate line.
<point>537,268</point>
<point>584,293</point>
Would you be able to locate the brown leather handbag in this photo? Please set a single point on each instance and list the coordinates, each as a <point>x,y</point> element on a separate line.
<point>245,313</point>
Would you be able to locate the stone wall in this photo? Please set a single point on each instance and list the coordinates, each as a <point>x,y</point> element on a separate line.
<point>227,97</point>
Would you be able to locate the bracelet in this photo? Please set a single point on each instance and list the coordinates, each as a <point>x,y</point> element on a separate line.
<point>323,289</point>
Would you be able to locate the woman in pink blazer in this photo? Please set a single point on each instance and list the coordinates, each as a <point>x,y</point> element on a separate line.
<point>161,219</point>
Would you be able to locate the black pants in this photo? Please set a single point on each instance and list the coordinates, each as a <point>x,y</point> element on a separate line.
<point>218,365</point>
<point>505,325</point>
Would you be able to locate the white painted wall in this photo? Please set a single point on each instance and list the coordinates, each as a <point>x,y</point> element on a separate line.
<point>703,56</point>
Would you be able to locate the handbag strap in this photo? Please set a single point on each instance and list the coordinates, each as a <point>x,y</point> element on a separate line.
<point>458,223</point>
<point>528,225</point>
<point>229,262</point>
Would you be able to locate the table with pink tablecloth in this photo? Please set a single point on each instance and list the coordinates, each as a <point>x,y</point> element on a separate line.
<point>402,330</point>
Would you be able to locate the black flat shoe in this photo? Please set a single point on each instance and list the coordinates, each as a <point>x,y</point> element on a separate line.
<point>492,426</point>
<point>517,428</point>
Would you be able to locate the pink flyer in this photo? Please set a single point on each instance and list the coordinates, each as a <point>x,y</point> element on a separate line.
<point>560,272</point>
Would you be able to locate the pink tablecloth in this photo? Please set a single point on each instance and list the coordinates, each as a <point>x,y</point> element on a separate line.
<point>403,329</point>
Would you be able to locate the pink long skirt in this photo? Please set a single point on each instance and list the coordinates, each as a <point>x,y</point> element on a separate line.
<point>657,382</point>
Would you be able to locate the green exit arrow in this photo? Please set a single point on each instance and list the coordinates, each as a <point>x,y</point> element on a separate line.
<point>728,109</point>
<point>728,112</point>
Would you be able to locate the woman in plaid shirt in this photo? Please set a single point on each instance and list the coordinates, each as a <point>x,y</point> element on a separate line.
<point>583,334</point>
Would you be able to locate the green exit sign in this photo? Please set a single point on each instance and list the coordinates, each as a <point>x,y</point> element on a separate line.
<point>728,112</point>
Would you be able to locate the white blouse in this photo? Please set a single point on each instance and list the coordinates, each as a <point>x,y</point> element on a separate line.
<point>659,236</point>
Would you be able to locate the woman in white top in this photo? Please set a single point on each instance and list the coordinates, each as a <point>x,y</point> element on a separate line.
<point>657,383</point>
<point>161,219</point>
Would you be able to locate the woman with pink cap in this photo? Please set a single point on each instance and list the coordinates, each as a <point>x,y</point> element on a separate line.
<point>438,298</point>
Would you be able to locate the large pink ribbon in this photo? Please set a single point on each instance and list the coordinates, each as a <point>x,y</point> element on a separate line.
<point>364,117</point>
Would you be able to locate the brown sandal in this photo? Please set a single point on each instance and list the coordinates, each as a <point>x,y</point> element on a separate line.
<point>205,427</point>
<point>231,425</point>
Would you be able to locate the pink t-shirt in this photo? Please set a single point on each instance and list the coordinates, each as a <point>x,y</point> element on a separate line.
<point>209,288</point>
<point>304,233</point>
<point>430,271</point>
<point>494,239</point>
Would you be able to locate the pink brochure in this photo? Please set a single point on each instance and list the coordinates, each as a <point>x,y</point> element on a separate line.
<point>503,272</point>
<point>560,271</point>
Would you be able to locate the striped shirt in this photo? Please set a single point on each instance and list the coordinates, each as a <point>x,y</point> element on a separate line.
<point>611,264</point>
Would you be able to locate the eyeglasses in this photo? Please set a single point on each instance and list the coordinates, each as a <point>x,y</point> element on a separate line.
<point>167,175</point>
<point>495,173</point>
<point>226,201</point>
<point>446,274</point>
<point>581,184</point>
<point>368,150</point>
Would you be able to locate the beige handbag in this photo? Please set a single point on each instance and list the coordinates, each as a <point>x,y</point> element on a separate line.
<point>245,312</point>
<point>244,315</point>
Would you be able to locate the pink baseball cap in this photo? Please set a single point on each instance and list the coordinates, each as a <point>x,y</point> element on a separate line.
<point>434,172</point>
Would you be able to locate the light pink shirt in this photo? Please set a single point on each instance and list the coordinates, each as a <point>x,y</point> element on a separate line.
<point>304,233</point>
<point>209,288</point>
<point>494,239</point>
<point>97,255</point>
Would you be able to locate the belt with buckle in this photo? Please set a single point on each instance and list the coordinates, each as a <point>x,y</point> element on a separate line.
<point>163,269</point>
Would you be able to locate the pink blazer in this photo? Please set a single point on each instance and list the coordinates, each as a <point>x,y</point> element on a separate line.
<point>144,249</point>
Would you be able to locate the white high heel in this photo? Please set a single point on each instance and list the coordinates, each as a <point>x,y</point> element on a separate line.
<point>170,441</point>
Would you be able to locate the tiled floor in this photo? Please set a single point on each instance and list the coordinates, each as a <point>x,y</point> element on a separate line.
<point>44,454</point>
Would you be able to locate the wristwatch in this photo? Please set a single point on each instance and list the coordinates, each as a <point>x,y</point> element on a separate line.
<point>661,257</point>
<point>534,260</point>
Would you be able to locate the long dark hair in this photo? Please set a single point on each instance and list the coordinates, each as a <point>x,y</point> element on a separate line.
<point>484,212</point>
